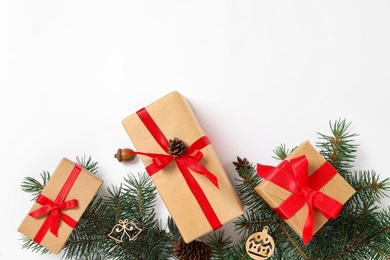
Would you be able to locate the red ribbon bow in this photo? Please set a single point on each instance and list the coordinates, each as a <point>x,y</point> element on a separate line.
<point>293,176</point>
<point>53,208</point>
<point>189,160</point>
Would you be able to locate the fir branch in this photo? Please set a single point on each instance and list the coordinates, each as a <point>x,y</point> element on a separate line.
<point>220,246</point>
<point>30,244</point>
<point>247,183</point>
<point>368,185</point>
<point>114,200</point>
<point>33,186</point>
<point>363,242</point>
<point>281,152</point>
<point>339,148</point>
<point>173,230</point>
<point>251,220</point>
<point>292,241</point>
<point>90,234</point>
<point>88,164</point>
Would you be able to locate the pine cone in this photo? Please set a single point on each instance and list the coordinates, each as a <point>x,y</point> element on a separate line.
<point>195,250</point>
<point>176,147</point>
<point>241,164</point>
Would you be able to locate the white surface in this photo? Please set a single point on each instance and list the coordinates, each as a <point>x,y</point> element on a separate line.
<point>256,73</point>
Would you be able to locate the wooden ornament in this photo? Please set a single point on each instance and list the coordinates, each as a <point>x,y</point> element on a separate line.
<point>260,245</point>
<point>124,227</point>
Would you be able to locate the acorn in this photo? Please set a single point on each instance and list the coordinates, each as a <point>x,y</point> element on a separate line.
<point>125,155</point>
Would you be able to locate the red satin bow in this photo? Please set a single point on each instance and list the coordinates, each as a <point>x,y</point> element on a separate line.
<point>293,176</point>
<point>189,160</point>
<point>53,208</point>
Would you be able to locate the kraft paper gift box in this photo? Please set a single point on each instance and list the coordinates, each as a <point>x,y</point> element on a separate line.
<point>336,188</point>
<point>71,188</point>
<point>195,203</point>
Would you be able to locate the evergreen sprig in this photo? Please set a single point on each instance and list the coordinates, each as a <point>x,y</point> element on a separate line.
<point>221,246</point>
<point>88,163</point>
<point>34,186</point>
<point>281,152</point>
<point>338,148</point>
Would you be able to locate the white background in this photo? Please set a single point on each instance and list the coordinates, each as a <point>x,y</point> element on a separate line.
<point>256,73</point>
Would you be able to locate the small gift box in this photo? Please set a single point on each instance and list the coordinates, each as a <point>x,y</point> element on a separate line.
<point>60,205</point>
<point>304,189</point>
<point>183,166</point>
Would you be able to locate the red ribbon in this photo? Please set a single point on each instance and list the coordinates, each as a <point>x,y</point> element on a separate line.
<point>189,160</point>
<point>293,176</point>
<point>53,209</point>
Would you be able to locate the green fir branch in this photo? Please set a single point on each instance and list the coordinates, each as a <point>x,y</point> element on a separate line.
<point>339,148</point>
<point>88,163</point>
<point>247,183</point>
<point>31,245</point>
<point>33,186</point>
<point>221,247</point>
<point>368,185</point>
<point>172,229</point>
<point>281,152</point>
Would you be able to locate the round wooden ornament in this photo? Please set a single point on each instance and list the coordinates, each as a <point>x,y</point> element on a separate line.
<point>260,245</point>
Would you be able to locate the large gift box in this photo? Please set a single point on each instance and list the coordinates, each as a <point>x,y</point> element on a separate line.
<point>193,183</point>
<point>60,205</point>
<point>305,190</point>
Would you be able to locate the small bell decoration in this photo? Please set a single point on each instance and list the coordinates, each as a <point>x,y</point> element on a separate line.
<point>260,245</point>
<point>124,227</point>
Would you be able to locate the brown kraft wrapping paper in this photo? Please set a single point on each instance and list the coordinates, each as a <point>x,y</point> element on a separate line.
<point>174,117</point>
<point>337,188</point>
<point>83,190</point>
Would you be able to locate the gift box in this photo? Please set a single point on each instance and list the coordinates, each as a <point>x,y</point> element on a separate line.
<point>305,190</point>
<point>193,185</point>
<point>60,205</point>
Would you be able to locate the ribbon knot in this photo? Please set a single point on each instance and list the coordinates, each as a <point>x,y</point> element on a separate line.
<point>53,210</point>
<point>189,160</point>
<point>308,193</point>
<point>293,176</point>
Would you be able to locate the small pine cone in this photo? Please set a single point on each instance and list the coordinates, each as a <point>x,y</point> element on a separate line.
<point>195,250</point>
<point>176,147</point>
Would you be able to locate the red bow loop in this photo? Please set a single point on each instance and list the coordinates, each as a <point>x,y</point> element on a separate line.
<point>162,160</point>
<point>49,206</point>
<point>54,211</point>
<point>293,176</point>
<point>192,153</point>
